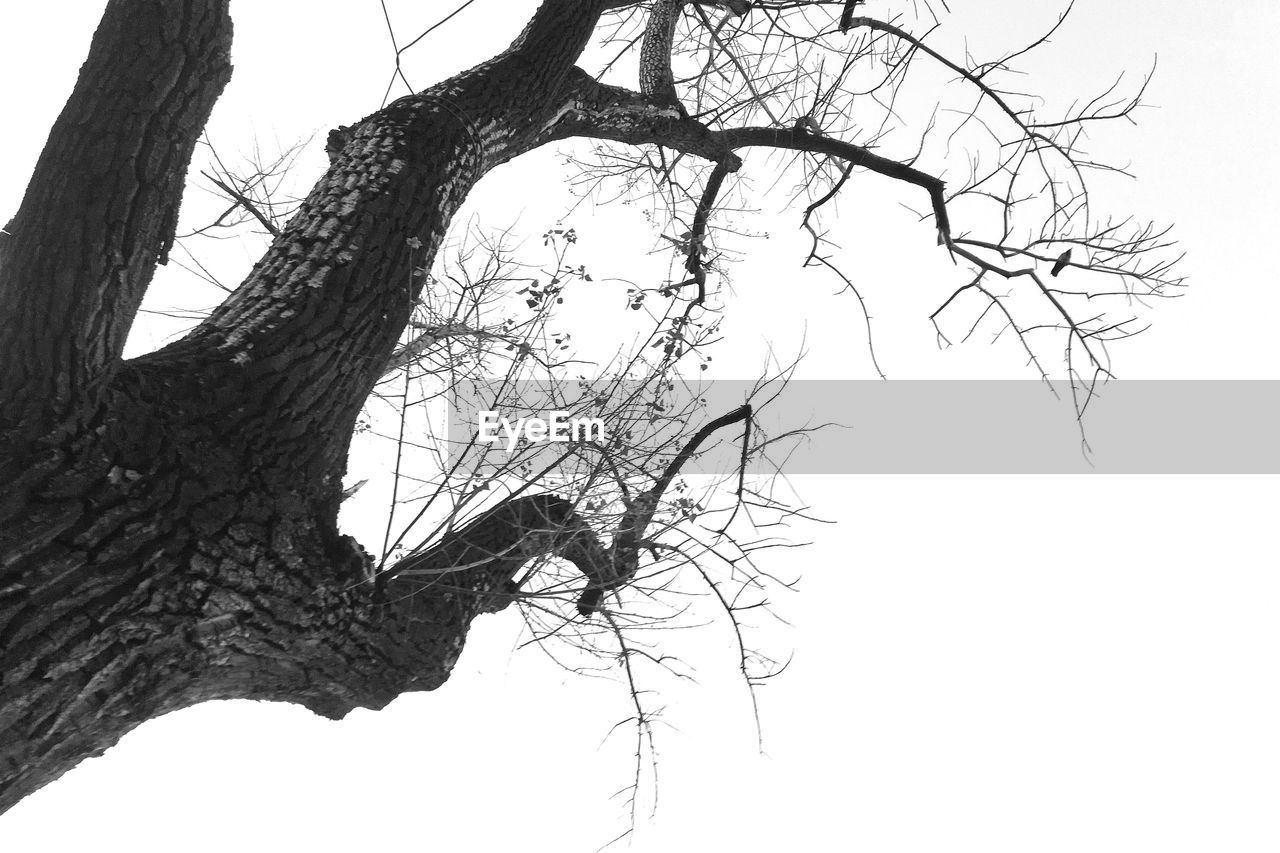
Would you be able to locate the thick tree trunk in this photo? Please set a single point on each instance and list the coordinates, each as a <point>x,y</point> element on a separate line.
<point>102,205</point>
<point>168,531</point>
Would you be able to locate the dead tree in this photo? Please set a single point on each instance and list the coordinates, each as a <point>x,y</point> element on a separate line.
<point>168,527</point>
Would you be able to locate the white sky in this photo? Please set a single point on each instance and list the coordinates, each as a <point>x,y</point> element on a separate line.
<point>981,663</point>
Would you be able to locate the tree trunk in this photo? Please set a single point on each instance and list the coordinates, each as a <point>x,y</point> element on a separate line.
<point>168,531</point>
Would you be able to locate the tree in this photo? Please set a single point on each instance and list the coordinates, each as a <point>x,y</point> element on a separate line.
<point>169,534</point>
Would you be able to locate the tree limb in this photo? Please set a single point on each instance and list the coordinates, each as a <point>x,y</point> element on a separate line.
<point>317,319</point>
<point>625,551</point>
<point>798,139</point>
<point>102,204</point>
<point>596,110</point>
<point>245,202</point>
<point>656,79</point>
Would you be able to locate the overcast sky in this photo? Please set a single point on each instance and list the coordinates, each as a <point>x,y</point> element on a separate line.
<point>980,663</point>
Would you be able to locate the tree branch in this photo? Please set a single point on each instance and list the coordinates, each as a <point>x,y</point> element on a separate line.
<point>799,139</point>
<point>502,540</point>
<point>245,202</point>
<point>656,79</point>
<point>597,110</point>
<point>102,204</point>
<point>698,233</point>
<point>485,554</point>
<point>313,326</point>
<point>625,552</point>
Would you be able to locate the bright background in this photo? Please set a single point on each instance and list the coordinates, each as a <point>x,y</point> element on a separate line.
<point>980,663</point>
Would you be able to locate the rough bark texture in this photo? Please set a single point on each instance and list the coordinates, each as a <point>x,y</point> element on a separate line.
<point>168,531</point>
<point>656,79</point>
<point>102,204</point>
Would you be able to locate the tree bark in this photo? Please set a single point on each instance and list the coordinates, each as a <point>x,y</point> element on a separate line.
<point>102,204</point>
<point>168,532</point>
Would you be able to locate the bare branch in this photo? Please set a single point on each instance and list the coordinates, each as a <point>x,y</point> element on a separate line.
<point>800,139</point>
<point>656,79</point>
<point>625,551</point>
<point>599,111</point>
<point>245,202</point>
